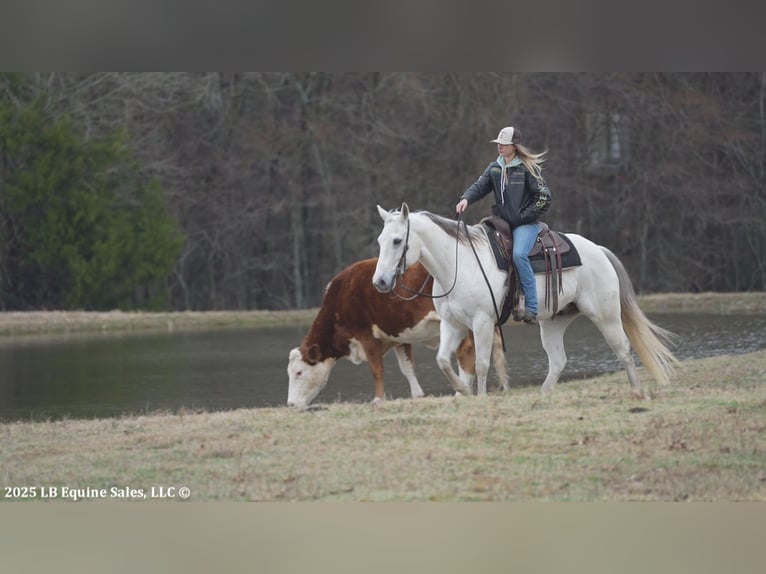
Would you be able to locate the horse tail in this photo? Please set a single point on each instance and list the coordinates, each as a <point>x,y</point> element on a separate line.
<point>498,359</point>
<point>650,341</point>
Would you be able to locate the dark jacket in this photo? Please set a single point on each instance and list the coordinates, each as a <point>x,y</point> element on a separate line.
<point>524,200</point>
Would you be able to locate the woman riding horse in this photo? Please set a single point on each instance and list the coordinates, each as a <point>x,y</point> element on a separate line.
<point>521,198</point>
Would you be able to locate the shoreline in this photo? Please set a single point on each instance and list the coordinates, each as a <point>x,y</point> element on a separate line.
<point>28,323</point>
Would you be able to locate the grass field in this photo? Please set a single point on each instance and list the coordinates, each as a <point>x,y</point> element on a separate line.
<point>701,439</point>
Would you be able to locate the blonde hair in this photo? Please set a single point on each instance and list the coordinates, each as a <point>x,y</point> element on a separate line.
<point>532,161</point>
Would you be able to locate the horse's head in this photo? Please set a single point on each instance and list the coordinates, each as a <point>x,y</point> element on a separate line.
<point>398,248</point>
<point>306,379</point>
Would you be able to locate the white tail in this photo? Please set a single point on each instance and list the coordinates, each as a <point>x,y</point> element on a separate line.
<point>650,341</point>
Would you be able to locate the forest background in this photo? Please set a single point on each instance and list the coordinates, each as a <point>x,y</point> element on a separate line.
<point>214,191</point>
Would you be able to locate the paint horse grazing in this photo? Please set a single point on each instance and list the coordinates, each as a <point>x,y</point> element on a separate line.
<point>357,322</point>
<point>599,288</point>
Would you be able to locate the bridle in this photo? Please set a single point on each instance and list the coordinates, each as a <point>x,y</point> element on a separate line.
<point>401,267</point>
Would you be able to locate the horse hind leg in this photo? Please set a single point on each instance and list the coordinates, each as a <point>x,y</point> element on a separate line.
<point>615,336</point>
<point>552,337</point>
<point>407,367</point>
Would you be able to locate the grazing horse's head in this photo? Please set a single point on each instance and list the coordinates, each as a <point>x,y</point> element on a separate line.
<point>398,248</point>
<point>306,378</point>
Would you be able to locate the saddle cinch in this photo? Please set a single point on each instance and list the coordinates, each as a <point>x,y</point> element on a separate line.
<point>551,254</point>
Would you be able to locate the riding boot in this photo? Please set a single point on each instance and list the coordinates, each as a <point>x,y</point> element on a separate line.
<point>530,318</point>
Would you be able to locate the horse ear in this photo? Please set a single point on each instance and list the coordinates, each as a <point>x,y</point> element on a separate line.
<point>383,213</point>
<point>405,211</point>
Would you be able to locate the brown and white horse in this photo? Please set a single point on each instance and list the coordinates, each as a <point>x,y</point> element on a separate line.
<point>357,322</point>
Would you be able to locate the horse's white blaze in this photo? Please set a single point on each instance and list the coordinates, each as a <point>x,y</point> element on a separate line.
<point>426,331</point>
<point>305,381</point>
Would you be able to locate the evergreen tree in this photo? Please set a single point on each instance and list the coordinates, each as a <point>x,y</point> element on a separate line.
<point>79,229</point>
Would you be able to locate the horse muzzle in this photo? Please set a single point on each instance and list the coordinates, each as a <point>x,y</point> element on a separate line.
<point>383,285</point>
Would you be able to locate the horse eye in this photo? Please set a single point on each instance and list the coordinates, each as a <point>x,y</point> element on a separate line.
<point>397,242</point>
<point>299,373</point>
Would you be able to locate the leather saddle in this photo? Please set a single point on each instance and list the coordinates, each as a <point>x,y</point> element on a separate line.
<point>549,247</point>
<point>546,238</point>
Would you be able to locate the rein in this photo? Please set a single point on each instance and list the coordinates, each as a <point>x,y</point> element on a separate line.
<point>415,292</point>
<point>486,280</point>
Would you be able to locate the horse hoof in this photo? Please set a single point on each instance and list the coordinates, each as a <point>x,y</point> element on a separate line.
<point>376,401</point>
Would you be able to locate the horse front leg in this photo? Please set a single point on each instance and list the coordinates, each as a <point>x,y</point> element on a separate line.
<point>449,339</point>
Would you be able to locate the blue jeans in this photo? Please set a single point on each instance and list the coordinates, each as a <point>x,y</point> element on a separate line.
<point>523,239</point>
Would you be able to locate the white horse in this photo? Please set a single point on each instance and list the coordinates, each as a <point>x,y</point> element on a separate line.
<point>600,289</point>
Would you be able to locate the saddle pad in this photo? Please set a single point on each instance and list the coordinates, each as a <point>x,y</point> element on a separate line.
<point>569,259</point>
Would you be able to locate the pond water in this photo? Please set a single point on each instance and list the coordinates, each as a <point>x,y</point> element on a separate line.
<point>86,376</point>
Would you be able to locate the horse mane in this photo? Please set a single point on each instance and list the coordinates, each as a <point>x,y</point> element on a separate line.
<point>451,227</point>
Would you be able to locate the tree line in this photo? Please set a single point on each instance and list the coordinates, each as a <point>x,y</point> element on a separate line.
<point>250,190</point>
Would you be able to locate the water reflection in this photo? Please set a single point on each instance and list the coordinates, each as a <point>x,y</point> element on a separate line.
<point>109,375</point>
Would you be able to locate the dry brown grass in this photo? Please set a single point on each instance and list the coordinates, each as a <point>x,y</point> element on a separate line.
<point>701,439</point>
